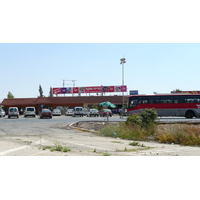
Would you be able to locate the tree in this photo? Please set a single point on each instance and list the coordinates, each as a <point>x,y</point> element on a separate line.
<point>41,91</point>
<point>10,95</point>
<point>176,90</point>
<point>50,92</point>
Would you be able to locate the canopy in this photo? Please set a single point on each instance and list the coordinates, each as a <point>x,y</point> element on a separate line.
<point>107,104</point>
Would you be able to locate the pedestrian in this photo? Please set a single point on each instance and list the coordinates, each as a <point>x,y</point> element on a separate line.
<point>120,112</point>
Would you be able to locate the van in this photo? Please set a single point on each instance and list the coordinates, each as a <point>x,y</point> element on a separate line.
<point>29,111</point>
<point>13,112</point>
<point>78,111</point>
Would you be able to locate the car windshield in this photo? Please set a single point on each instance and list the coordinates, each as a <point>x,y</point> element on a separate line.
<point>106,110</point>
<point>79,109</point>
<point>69,110</point>
<point>56,110</point>
<point>13,110</point>
<point>93,110</point>
<point>30,109</point>
<point>46,110</point>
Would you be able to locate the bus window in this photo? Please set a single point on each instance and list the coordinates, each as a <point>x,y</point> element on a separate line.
<point>179,99</point>
<point>143,100</point>
<point>193,99</point>
<point>155,99</point>
<point>166,99</point>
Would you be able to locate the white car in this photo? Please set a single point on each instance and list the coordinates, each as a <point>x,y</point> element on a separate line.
<point>2,113</point>
<point>29,111</point>
<point>93,112</point>
<point>56,112</point>
<point>13,112</point>
<point>69,112</point>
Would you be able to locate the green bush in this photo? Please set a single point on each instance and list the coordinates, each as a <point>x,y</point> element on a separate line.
<point>136,127</point>
<point>148,116</point>
<point>135,119</point>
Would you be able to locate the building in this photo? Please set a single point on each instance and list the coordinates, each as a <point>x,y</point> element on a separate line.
<point>61,102</point>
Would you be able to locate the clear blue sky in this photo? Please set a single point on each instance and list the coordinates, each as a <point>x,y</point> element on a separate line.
<point>157,67</point>
<point>44,43</point>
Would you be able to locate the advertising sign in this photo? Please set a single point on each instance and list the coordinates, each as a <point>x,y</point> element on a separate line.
<point>93,89</point>
<point>96,89</point>
<point>56,90</point>
<point>123,88</point>
<point>133,92</point>
<point>187,92</point>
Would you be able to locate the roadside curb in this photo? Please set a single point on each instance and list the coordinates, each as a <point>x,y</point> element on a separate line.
<point>73,125</point>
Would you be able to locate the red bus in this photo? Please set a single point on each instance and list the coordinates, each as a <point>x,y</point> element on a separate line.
<point>180,105</point>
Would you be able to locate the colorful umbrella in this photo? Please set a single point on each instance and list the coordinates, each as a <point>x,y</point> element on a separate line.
<point>107,104</point>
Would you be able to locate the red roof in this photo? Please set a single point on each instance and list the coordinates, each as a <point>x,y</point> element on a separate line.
<point>61,101</point>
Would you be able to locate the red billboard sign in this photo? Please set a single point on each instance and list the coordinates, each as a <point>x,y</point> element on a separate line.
<point>93,89</point>
<point>56,90</point>
<point>96,89</point>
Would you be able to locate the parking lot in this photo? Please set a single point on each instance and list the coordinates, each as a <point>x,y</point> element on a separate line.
<point>28,137</point>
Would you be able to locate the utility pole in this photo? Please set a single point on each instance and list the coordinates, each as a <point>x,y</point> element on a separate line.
<point>123,61</point>
<point>73,81</point>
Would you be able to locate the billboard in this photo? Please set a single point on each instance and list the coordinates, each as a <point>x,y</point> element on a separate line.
<point>93,89</point>
<point>187,92</point>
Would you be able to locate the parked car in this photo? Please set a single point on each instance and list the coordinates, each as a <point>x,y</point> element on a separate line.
<point>93,112</point>
<point>85,111</point>
<point>29,111</point>
<point>69,112</point>
<point>46,113</point>
<point>56,112</point>
<point>13,112</point>
<point>105,112</point>
<point>78,111</point>
<point>2,113</point>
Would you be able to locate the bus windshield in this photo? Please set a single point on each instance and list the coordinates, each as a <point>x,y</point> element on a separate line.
<point>133,102</point>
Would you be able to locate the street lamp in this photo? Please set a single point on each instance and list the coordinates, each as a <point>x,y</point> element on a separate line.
<point>123,60</point>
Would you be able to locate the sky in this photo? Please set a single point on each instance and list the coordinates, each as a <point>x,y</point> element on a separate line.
<point>149,67</point>
<point>46,44</point>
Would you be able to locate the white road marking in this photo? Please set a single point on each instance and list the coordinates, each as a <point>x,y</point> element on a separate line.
<point>12,150</point>
<point>19,148</point>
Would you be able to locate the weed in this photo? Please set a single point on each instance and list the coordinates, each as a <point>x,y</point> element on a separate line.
<point>57,147</point>
<point>106,154</point>
<point>134,144</point>
<point>95,150</point>
<point>116,142</point>
<point>138,149</point>
<point>65,149</point>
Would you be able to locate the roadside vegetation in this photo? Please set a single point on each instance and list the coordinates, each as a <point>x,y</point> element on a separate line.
<point>143,127</point>
<point>56,147</point>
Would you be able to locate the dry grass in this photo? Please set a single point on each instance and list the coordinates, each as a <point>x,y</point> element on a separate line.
<point>178,134</point>
<point>182,134</point>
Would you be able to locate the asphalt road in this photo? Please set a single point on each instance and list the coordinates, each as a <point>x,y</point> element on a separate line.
<point>27,137</point>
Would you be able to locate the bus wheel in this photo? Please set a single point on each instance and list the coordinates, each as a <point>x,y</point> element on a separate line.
<point>189,114</point>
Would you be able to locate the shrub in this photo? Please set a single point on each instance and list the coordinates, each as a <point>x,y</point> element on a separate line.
<point>148,117</point>
<point>135,119</point>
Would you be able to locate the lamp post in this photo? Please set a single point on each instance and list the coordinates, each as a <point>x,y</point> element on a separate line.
<point>123,60</point>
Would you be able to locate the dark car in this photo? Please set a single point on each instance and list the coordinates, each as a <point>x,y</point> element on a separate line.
<point>45,113</point>
<point>105,112</point>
